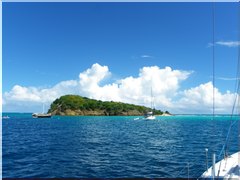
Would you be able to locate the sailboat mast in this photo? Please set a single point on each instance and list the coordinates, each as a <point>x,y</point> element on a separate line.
<point>151,99</point>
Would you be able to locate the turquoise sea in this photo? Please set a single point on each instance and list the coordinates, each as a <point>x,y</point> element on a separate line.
<point>112,147</point>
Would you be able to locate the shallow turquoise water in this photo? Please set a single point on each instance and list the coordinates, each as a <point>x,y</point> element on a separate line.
<point>111,147</point>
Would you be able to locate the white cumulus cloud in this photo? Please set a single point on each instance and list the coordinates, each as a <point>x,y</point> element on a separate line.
<point>90,79</point>
<point>21,98</point>
<point>200,99</point>
<point>19,93</point>
<point>32,94</point>
<point>164,82</point>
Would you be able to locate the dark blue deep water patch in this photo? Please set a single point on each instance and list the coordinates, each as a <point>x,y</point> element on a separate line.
<point>111,147</point>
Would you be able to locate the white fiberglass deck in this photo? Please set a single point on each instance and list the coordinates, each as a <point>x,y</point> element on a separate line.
<point>228,168</point>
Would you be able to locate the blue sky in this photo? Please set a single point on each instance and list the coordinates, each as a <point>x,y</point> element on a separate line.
<point>47,43</point>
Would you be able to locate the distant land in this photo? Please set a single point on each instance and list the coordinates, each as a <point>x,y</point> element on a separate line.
<point>74,105</point>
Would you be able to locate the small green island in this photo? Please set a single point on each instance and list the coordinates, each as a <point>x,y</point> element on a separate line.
<point>74,105</point>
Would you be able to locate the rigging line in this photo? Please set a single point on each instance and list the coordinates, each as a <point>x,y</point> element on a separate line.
<point>238,73</point>
<point>236,88</point>
<point>213,73</point>
<point>213,68</point>
<point>185,167</point>
<point>227,138</point>
<point>225,146</point>
<point>213,58</point>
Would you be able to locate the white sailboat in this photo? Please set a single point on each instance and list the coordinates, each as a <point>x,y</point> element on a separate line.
<point>150,114</point>
<point>42,115</point>
<point>229,166</point>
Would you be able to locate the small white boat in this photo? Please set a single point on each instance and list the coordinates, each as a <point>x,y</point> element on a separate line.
<point>150,116</point>
<point>42,115</point>
<point>227,168</point>
<point>5,117</point>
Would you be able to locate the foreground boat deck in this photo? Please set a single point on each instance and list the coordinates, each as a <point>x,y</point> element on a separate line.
<point>228,168</point>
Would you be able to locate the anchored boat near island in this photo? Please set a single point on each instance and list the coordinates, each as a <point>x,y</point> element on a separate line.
<point>150,114</point>
<point>42,115</point>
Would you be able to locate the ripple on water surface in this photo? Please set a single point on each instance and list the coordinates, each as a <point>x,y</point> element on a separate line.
<point>107,147</point>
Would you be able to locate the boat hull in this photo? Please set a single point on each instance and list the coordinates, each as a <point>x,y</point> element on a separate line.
<point>227,168</point>
<point>41,115</point>
<point>150,117</point>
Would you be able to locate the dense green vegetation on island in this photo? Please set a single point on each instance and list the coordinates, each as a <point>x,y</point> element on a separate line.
<point>77,105</point>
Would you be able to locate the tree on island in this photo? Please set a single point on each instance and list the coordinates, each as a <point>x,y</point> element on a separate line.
<point>78,105</point>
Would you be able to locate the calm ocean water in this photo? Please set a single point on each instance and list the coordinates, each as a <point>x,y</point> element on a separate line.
<point>111,147</point>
